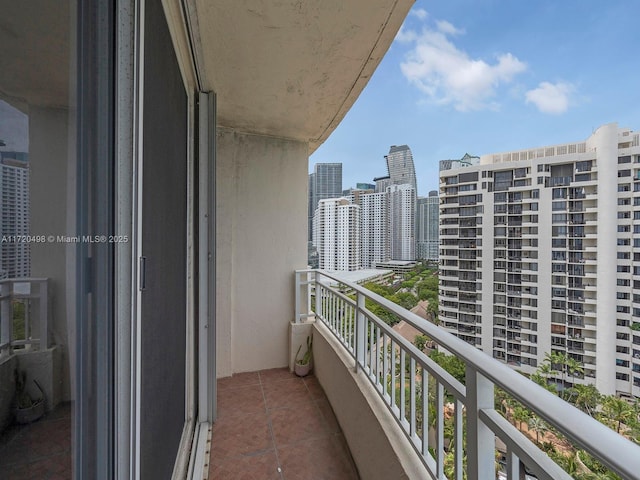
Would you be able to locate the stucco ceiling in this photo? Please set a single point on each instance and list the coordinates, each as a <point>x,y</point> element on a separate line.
<point>34,52</point>
<point>286,68</point>
<point>292,68</point>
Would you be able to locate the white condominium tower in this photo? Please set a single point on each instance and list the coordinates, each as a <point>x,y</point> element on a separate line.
<point>374,226</point>
<point>15,221</point>
<point>336,234</point>
<point>540,252</point>
<point>324,182</point>
<point>402,222</point>
<point>427,226</point>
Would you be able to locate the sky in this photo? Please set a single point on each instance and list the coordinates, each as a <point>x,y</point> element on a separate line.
<point>489,76</point>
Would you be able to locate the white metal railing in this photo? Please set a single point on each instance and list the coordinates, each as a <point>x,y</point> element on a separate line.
<point>33,293</point>
<point>413,387</point>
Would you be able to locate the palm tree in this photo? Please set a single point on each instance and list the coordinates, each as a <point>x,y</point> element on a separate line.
<point>539,426</point>
<point>586,398</point>
<point>573,367</point>
<point>520,415</point>
<point>616,410</point>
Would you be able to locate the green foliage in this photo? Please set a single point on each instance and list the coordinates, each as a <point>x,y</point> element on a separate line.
<point>306,358</point>
<point>450,363</point>
<point>420,342</point>
<point>18,320</point>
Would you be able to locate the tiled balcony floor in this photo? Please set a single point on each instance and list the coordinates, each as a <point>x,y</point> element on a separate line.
<point>41,450</point>
<point>274,425</point>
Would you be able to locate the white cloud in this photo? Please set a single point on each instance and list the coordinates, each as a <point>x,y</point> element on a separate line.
<point>447,28</point>
<point>551,98</point>
<point>447,75</point>
<point>406,36</point>
<point>421,13</point>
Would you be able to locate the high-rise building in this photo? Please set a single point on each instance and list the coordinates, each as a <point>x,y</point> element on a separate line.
<point>15,216</point>
<point>324,182</point>
<point>401,187</point>
<point>427,227</point>
<point>539,254</point>
<point>374,226</point>
<point>336,234</point>
<point>400,166</point>
<point>402,209</point>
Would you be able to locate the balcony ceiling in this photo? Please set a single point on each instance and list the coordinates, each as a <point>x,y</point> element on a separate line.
<point>34,53</point>
<point>285,68</point>
<point>292,68</point>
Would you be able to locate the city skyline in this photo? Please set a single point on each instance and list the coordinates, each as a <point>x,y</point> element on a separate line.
<point>491,71</point>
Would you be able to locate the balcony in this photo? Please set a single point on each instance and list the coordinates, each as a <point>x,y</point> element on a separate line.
<point>370,373</point>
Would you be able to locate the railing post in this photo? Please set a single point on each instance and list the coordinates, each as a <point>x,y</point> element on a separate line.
<point>361,331</point>
<point>44,314</point>
<point>297,314</point>
<point>6,322</point>
<point>480,439</point>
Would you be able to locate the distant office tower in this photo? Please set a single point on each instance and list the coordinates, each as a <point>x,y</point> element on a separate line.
<point>15,217</point>
<point>336,234</point>
<point>427,227</point>
<point>402,201</point>
<point>539,254</point>
<point>402,209</point>
<point>382,183</point>
<point>366,186</point>
<point>374,226</point>
<point>324,182</point>
<point>400,166</point>
<point>311,206</point>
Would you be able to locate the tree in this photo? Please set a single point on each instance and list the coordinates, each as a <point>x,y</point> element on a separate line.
<point>586,398</point>
<point>420,341</point>
<point>615,410</point>
<point>520,415</point>
<point>539,426</point>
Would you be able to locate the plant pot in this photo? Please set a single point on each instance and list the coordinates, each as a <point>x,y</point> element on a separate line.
<point>302,370</point>
<point>30,414</point>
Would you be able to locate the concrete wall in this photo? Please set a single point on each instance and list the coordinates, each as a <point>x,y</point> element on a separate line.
<point>44,367</point>
<point>378,446</point>
<point>261,222</point>
<point>7,390</point>
<point>48,156</point>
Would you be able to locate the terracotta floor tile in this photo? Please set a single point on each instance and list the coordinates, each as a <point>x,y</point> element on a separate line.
<point>331,422</point>
<point>286,393</point>
<point>240,401</point>
<point>315,390</point>
<point>316,459</point>
<point>294,424</point>
<point>241,435</point>
<point>255,467</point>
<point>275,375</point>
<point>239,380</point>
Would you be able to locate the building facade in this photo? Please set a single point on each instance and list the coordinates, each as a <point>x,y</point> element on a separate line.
<point>374,227</point>
<point>540,253</point>
<point>15,221</point>
<point>400,166</point>
<point>427,227</point>
<point>327,183</point>
<point>336,234</point>
<point>402,209</point>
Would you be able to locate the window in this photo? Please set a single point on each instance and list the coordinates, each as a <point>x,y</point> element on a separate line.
<point>624,201</point>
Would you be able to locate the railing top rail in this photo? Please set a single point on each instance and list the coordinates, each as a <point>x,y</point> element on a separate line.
<point>24,279</point>
<point>612,449</point>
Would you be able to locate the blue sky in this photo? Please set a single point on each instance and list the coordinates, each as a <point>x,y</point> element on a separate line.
<point>486,76</point>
